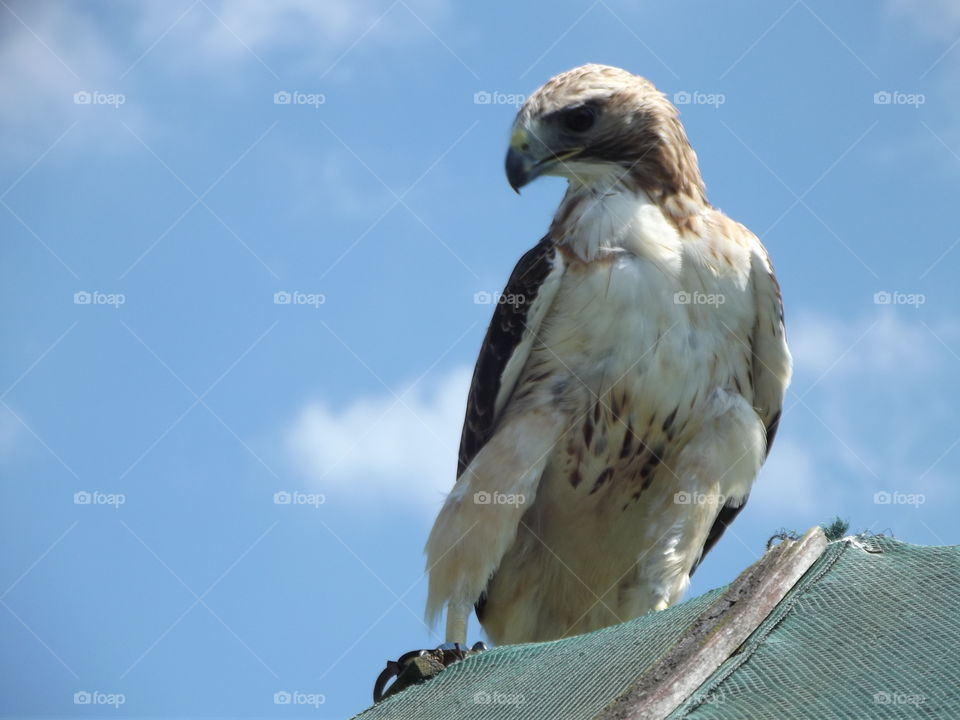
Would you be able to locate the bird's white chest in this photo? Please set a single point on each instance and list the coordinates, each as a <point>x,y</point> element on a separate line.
<point>639,341</point>
<point>638,295</point>
<point>657,324</point>
<point>614,316</point>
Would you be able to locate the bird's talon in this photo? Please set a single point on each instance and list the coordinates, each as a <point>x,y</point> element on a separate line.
<point>442,657</point>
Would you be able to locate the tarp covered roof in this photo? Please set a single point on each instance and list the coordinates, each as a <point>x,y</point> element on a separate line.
<point>871,629</point>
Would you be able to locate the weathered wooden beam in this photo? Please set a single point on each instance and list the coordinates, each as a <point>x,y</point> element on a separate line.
<point>718,632</point>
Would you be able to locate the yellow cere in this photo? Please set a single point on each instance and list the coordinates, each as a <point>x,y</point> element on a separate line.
<point>518,138</point>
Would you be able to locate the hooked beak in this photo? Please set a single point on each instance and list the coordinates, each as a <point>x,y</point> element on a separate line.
<point>520,169</point>
<point>522,164</point>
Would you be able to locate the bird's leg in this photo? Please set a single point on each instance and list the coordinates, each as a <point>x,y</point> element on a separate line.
<point>417,665</point>
<point>458,614</point>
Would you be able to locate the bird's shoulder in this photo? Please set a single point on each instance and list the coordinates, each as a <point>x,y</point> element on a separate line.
<point>733,238</point>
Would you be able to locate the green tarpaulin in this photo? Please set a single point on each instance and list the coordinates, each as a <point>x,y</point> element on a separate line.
<point>871,630</point>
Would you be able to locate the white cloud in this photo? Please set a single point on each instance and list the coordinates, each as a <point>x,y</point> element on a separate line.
<point>877,346</point>
<point>304,32</point>
<point>935,70</point>
<point>875,392</point>
<point>51,52</point>
<point>936,18</point>
<point>868,381</point>
<point>379,450</point>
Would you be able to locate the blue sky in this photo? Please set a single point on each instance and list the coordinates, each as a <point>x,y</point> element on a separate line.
<point>145,165</point>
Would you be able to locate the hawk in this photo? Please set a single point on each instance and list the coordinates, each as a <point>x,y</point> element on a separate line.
<point>628,388</point>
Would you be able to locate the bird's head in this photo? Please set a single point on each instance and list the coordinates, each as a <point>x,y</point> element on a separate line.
<point>598,123</point>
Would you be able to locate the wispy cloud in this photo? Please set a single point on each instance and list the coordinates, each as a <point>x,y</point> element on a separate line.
<point>383,451</point>
<point>49,52</point>
<point>887,344</point>
<point>299,34</point>
<point>938,19</point>
<point>867,411</point>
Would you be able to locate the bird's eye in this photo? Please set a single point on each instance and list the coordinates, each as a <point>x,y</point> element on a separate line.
<point>579,119</point>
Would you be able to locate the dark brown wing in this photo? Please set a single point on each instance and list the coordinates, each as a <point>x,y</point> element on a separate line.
<point>514,319</point>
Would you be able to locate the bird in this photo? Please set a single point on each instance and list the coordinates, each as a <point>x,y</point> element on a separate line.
<point>629,386</point>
